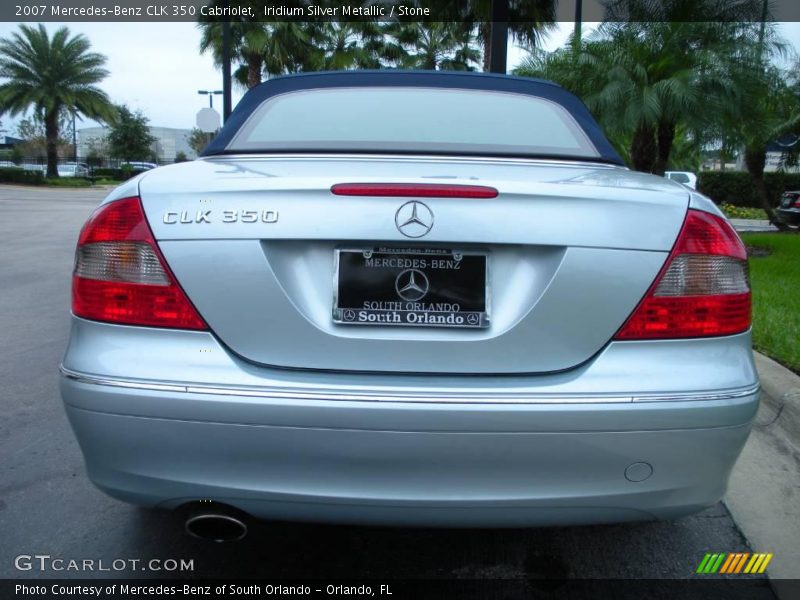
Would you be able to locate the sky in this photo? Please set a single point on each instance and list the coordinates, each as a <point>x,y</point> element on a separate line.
<point>157,67</point>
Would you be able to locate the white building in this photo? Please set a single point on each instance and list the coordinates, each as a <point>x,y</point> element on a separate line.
<point>169,141</point>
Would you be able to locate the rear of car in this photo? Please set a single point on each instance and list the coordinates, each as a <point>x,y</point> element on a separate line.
<point>788,211</point>
<point>411,298</point>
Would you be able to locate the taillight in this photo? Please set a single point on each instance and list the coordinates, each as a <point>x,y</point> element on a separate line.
<point>120,275</point>
<point>701,291</point>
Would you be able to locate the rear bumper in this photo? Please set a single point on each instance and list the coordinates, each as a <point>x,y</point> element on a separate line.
<point>170,417</point>
<point>398,463</point>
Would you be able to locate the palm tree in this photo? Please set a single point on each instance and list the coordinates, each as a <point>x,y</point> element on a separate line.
<point>349,45</point>
<point>766,108</point>
<point>266,48</point>
<point>248,40</point>
<point>649,82</point>
<point>52,76</point>
<point>435,45</point>
<point>528,20</point>
<point>645,80</point>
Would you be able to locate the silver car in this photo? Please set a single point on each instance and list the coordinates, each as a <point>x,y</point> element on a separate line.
<point>73,170</point>
<point>410,299</point>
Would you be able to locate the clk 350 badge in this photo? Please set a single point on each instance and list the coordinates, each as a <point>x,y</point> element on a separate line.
<point>228,216</point>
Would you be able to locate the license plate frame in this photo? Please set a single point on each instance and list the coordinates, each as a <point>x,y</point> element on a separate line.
<point>394,303</point>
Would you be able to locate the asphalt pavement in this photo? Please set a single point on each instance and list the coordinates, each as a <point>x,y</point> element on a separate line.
<point>48,506</point>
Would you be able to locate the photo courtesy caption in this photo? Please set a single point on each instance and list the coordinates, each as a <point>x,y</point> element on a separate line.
<point>230,589</point>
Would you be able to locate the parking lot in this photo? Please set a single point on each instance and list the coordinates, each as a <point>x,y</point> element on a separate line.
<point>48,506</point>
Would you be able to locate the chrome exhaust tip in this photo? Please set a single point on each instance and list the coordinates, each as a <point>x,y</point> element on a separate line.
<point>216,525</point>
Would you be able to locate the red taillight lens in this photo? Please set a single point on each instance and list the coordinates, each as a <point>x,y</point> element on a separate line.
<point>414,190</point>
<point>797,203</point>
<point>701,291</point>
<point>120,275</point>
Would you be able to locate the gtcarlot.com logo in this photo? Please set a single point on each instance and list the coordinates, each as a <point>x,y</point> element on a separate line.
<point>46,562</point>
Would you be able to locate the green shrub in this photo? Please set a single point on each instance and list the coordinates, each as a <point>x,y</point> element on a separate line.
<point>122,174</point>
<point>70,182</point>
<point>736,188</point>
<point>742,212</point>
<point>21,176</point>
<point>106,173</point>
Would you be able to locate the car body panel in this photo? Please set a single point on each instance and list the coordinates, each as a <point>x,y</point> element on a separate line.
<point>542,263</point>
<point>564,204</point>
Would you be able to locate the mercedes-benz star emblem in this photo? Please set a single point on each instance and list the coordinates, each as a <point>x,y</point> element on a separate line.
<point>411,285</point>
<point>349,315</point>
<point>414,219</point>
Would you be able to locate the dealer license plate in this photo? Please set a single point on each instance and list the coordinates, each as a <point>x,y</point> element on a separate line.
<point>411,287</point>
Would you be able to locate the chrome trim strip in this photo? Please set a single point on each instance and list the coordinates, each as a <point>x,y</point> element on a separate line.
<point>505,398</point>
<point>740,393</point>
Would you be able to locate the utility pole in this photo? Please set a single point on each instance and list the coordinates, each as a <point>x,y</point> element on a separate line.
<point>74,142</point>
<point>578,18</point>
<point>226,67</point>
<point>498,38</point>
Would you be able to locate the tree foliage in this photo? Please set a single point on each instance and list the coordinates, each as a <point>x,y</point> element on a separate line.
<point>199,139</point>
<point>657,73</point>
<point>129,137</point>
<point>433,45</point>
<point>767,109</point>
<point>32,131</point>
<point>452,41</point>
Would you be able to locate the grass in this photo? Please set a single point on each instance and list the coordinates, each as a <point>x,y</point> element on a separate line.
<point>775,279</point>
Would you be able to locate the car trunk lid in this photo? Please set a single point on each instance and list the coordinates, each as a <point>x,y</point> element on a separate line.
<point>570,250</point>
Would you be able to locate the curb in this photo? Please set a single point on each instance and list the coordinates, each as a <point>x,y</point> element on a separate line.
<point>54,188</point>
<point>764,484</point>
<point>751,222</point>
<point>781,395</point>
<point>752,225</point>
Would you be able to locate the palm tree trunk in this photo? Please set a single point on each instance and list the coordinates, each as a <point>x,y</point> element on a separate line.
<point>643,148</point>
<point>254,64</point>
<point>664,137</point>
<point>51,135</point>
<point>755,158</point>
<point>486,36</point>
